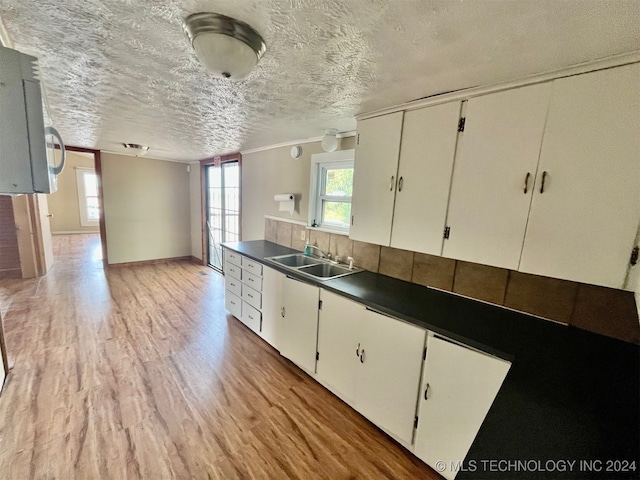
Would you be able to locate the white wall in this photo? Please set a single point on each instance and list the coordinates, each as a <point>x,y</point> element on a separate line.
<point>273,171</point>
<point>195,200</point>
<point>147,210</point>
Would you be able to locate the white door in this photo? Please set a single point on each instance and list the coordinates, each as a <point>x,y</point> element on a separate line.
<point>498,153</point>
<point>458,389</point>
<point>299,337</point>
<point>583,225</point>
<point>271,304</point>
<point>374,178</point>
<point>389,373</point>
<point>339,326</point>
<point>424,177</point>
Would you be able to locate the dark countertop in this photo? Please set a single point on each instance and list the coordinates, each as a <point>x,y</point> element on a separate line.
<point>570,395</point>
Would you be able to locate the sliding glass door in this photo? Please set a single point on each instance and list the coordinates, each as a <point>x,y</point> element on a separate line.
<point>222,184</point>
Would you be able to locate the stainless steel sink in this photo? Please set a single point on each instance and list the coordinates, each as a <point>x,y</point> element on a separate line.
<point>295,260</point>
<point>325,270</point>
<point>314,267</point>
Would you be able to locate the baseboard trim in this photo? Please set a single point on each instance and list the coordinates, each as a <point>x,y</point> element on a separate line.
<point>196,260</point>
<point>74,232</point>
<point>11,274</point>
<point>152,262</point>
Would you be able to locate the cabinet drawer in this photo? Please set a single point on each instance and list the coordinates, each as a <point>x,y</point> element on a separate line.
<point>251,317</point>
<point>232,257</point>
<point>233,270</point>
<point>233,285</point>
<point>233,304</point>
<point>253,281</point>
<point>251,266</point>
<point>252,297</point>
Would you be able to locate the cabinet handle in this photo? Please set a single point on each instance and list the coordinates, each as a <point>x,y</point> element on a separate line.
<point>391,183</point>
<point>526,183</point>
<point>544,177</point>
<point>362,356</point>
<point>358,351</point>
<point>426,392</point>
<point>282,312</point>
<point>400,183</point>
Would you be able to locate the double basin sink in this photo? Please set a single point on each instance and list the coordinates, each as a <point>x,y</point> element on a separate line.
<point>314,267</point>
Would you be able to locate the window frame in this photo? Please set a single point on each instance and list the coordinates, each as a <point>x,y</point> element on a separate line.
<point>319,164</point>
<point>82,197</point>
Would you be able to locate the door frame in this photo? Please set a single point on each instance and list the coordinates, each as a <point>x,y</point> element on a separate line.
<point>98,167</point>
<point>231,157</point>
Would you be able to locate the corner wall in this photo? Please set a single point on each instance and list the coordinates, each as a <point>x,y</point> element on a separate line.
<point>146,205</point>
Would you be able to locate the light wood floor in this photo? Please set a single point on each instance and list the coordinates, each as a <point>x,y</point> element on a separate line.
<point>140,373</point>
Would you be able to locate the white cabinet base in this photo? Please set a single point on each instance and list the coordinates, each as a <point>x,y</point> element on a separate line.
<point>460,386</point>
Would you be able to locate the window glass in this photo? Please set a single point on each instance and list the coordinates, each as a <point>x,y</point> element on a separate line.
<point>338,181</point>
<point>336,214</point>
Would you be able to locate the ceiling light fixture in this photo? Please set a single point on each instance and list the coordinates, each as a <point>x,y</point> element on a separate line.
<point>135,149</point>
<point>227,47</point>
<point>330,141</point>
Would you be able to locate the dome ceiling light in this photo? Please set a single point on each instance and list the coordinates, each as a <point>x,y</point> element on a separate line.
<point>227,47</point>
<point>330,142</point>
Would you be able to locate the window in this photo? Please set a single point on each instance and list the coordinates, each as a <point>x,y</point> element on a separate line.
<point>331,189</point>
<point>88,203</point>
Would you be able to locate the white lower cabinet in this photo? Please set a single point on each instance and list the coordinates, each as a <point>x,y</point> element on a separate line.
<point>271,305</point>
<point>339,325</point>
<point>372,360</point>
<point>298,335</point>
<point>459,386</point>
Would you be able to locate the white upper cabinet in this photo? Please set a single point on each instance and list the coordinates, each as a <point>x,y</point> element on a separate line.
<point>583,224</point>
<point>424,176</point>
<point>459,386</point>
<point>494,174</point>
<point>374,178</point>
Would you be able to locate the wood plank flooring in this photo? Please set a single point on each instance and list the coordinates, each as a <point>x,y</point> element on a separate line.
<point>141,373</point>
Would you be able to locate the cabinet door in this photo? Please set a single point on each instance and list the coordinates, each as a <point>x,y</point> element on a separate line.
<point>460,386</point>
<point>339,343</point>
<point>583,226</point>
<point>271,304</point>
<point>498,149</point>
<point>389,373</point>
<point>299,333</point>
<point>374,178</point>
<point>424,178</point>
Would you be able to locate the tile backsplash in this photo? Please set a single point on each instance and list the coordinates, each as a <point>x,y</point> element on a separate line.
<point>602,310</point>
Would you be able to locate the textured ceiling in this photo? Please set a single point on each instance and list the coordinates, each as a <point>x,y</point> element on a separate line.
<point>122,71</point>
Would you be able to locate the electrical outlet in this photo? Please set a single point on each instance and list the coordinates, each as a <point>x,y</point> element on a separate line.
<point>303,235</point>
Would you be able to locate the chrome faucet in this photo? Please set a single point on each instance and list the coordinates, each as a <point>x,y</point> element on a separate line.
<point>309,247</point>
